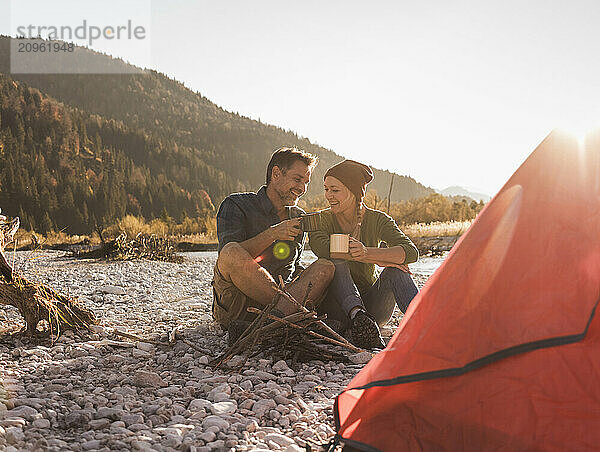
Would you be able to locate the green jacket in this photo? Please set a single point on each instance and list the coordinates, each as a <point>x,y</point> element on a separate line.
<point>376,227</point>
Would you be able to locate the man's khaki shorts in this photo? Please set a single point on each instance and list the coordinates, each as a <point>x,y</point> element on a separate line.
<point>229,302</point>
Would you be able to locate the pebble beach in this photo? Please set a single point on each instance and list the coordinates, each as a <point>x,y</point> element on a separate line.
<point>103,391</point>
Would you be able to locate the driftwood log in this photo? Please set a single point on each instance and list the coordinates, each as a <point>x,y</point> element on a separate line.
<point>37,302</point>
<point>142,246</point>
<point>434,246</point>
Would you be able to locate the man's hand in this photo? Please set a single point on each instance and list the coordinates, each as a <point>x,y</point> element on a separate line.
<point>286,230</point>
<point>356,249</point>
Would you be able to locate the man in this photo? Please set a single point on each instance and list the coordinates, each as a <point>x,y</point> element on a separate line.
<point>260,240</point>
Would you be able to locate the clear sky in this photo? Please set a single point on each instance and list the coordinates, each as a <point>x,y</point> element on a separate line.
<point>448,92</point>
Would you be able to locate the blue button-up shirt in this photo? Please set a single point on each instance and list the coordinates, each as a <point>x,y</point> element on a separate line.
<point>242,216</point>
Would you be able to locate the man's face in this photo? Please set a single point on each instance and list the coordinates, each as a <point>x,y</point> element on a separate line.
<point>290,184</point>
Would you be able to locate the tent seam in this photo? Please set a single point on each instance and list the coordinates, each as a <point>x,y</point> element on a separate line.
<point>484,361</point>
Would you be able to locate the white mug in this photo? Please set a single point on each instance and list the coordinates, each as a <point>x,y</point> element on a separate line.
<point>339,245</point>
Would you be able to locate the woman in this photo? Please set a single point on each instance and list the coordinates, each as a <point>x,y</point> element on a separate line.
<point>357,297</point>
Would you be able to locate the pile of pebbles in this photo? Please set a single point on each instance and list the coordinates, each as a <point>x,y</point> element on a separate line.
<point>105,392</point>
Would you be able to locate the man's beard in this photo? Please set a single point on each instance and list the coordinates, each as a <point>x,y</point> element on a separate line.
<point>288,198</point>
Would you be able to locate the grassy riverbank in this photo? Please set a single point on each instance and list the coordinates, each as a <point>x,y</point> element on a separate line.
<point>432,237</point>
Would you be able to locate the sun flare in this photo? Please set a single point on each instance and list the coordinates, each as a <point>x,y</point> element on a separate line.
<point>580,128</point>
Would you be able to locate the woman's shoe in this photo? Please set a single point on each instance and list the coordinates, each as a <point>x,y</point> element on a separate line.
<point>335,325</point>
<point>365,332</point>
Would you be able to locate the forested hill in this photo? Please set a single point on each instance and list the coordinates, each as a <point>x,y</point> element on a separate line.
<point>137,143</point>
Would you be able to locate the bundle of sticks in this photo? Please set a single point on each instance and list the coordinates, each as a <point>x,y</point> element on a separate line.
<point>301,337</point>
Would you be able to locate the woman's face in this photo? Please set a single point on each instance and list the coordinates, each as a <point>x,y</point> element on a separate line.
<point>340,199</point>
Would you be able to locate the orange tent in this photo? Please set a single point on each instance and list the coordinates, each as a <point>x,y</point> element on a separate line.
<point>501,348</point>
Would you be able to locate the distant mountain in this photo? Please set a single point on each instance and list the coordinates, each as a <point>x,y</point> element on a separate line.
<point>463,192</point>
<point>133,143</point>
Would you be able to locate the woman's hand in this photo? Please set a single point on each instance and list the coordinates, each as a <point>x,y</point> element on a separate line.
<point>357,250</point>
<point>384,257</point>
<point>402,267</point>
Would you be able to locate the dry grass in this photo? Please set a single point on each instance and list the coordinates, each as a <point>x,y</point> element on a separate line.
<point>185,232</point>
<point>24,238</point>
<point>130,225</point>
<point>133,226</point>
<point>195,238</point>
<point>437,229</point>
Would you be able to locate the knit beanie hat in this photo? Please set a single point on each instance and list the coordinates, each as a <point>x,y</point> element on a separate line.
<point>355,176</point>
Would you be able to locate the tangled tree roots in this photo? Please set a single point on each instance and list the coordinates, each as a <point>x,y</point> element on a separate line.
<point>142,246</point>
<point>37,302</point>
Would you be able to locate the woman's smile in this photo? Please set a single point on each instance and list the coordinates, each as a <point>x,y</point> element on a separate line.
<point>338,196</point>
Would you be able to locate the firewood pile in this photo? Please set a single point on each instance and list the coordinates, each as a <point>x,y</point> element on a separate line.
<point>37,302</point>
<point>299,337</point>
